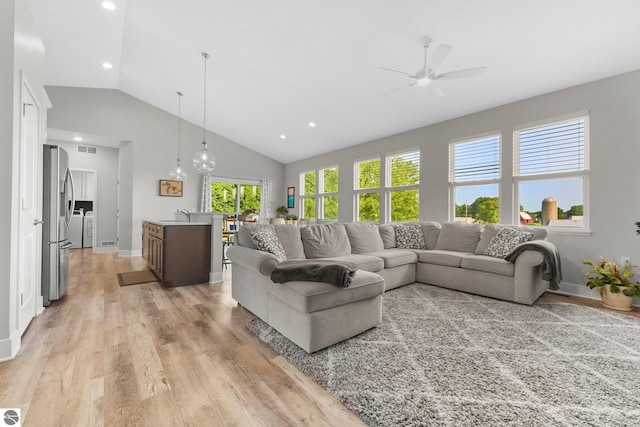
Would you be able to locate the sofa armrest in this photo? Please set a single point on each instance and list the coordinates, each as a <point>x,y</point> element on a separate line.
<point>528,260</point>
<point>252,259</point>
<point>528,283</point>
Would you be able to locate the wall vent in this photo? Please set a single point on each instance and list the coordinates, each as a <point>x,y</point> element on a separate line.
<point>87,149</point>
<point>107,243</point>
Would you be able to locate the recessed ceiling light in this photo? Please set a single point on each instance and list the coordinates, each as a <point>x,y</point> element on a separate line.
<point>312,124</point>
<point>77,138</point>
<point>283,136</point>
<point>109,5</point>
<point>107,65</point>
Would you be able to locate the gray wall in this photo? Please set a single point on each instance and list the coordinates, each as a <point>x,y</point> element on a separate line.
<point>20,50</point>
<point>152,153</point>
<point>105,164</point>
<point>614,106</point>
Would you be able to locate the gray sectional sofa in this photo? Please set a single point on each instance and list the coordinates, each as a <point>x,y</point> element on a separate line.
<point>314,315</point>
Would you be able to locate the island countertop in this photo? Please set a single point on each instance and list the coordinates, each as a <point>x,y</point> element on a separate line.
<point>169,222</point>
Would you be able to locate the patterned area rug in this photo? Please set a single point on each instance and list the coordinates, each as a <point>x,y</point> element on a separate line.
<point>448,358</point>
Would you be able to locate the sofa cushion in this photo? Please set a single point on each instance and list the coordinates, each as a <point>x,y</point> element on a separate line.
<point>266,240</point>
<point>505,241</point>
<point>243,238</point>
<point>459,236</point>
<point>396,257</point>
<point>489,231</point>
<point>409,237</point>
<point>430,231</point>
<point>440,257</point>
<point>489,265</point>
<point>363,237</point>
<point>326,240</point>
<point>289,236</point>
<point>363,261</point>
<point>309,297</point>
<point>388,235</point>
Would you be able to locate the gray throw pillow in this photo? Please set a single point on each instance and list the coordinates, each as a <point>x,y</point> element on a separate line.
<point>363,237</point>
<point>459,236</point>
<point>326,240</point>
<point>505,241</point>
<point>409,237</point>
<point>266,240</point>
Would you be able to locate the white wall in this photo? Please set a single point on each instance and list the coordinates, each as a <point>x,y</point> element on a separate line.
<point>21,49</point>
<point>105,164</point>
<point>153,147</point>
<point>614,106</point>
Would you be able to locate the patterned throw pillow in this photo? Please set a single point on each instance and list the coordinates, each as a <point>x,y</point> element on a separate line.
<point>409,237</point>
<point>266,240</point>
<point>505,241</point>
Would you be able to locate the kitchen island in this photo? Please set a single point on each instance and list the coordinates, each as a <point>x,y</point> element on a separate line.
<point>184,253</point>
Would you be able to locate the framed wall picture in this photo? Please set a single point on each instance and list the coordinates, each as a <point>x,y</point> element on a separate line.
<point>291,197</point>
<point>170,188</point>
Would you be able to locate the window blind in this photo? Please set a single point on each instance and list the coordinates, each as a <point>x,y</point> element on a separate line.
<point>554,148</point>
<point>477,160</point>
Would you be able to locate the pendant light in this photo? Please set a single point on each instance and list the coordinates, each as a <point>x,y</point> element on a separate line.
<point>177,172</point>
<point>203,161</point>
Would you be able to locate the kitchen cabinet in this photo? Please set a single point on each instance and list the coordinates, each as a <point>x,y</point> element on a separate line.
<point>178,253</point>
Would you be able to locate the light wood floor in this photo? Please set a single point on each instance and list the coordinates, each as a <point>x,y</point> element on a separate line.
<point>144,355</point>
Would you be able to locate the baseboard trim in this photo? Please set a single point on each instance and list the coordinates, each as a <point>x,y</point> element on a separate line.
<point>9,348</point>
<point>571,289</point>
<point>137,252</point>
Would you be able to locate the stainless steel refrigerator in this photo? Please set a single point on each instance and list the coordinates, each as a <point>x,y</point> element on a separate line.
<point>57,206</point>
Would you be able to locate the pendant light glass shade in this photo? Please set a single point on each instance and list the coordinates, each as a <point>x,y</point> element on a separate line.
<point>177,172</point>
<point>203,161</point>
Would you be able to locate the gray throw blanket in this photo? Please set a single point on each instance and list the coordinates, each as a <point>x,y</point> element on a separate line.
<point>551,267</point>
<point>336,273</point>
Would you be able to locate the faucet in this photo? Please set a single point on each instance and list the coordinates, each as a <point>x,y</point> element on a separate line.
<point>186,213</point>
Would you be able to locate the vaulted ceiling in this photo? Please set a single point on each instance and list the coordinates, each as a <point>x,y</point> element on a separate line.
<point>277,65</point>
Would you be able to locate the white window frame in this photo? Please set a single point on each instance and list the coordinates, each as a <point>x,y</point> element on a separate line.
<point>321,195</point>
<point>303,196</point>
<point>357,190</point>
<point>237,182</point>
<point>386,178</point>
<point>583,173</point>
<point>453,184</point>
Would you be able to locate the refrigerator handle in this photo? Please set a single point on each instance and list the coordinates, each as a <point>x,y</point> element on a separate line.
<point>69,209</point>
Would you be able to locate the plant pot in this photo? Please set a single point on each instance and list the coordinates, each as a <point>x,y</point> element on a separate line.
<point>616,301</point>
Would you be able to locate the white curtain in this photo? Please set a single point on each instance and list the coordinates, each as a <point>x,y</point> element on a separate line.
<point>205,195</point>
<point>265,198</point>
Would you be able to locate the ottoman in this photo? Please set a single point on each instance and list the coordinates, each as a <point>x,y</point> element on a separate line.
<point>315,315</point>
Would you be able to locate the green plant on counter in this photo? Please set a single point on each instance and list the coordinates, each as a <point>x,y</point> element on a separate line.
<point>609,273</point>
<point>291,217</point>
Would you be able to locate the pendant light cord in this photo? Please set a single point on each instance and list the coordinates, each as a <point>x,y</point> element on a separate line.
<point>204,119</point>
<point>179,124</point>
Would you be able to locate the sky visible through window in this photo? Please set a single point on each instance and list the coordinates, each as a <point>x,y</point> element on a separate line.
<point>568,193</point>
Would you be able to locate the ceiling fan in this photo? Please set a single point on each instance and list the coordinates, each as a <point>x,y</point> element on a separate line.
<point>427,74</point>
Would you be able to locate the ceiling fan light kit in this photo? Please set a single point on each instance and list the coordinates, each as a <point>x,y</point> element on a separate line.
<point>427,74</point>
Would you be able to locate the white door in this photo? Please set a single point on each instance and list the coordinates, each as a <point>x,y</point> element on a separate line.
<point>30,242</point>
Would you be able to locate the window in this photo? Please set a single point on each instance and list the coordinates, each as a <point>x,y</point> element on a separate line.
<point>308,183</point>
<point>234,198</point>
<point>328,189</point>
<point>551,172</point>
<point>402,186</point>
<point>474,177</point>
<point>367,189</point>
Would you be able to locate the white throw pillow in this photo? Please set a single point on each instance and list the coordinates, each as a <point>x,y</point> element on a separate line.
<point>266,240</point>
<point>505,241</point>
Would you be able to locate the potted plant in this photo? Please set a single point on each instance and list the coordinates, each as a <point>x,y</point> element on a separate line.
<point>291,219</point>
<point>614,283</point>
<point>282,211</point>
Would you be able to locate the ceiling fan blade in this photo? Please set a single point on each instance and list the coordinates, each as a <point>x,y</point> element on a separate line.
<point>436,91</point>
<point>461,74</point>
<point>401,87</point>
<point>442,51</point>
<point>394,71</point>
